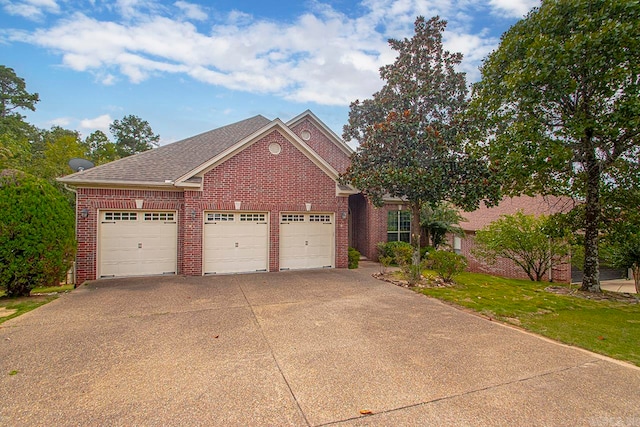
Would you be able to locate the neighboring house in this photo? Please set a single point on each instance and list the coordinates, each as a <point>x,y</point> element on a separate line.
<point>483,216</point>
<point>256,195</point>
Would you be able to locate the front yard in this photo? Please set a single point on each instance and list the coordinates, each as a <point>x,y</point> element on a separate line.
<point>609,324</point>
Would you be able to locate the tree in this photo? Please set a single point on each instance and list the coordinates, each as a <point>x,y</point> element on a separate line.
<point>525,240</point>
<point>15,142</point>
<point>37,239</point>
<point>559,101</point>
<point>100,149</point>
<point>58,146</point>
<point>409,132</point>
<point>13,93</point>
<point>132,135</point>
<point>439,221</point>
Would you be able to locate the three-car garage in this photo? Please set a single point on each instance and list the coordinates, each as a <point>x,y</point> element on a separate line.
<point>141,243</point>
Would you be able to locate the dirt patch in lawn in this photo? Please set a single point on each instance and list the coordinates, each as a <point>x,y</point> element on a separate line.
<point>595,296</point>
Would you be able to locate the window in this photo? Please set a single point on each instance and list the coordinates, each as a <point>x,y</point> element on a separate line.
<point>320,218</point>
<point>218,216</point>
<point>253,217</point>
<point>120,216</point>
<point>292,218</point>
<point>159,216</point>
<point>399,226</point>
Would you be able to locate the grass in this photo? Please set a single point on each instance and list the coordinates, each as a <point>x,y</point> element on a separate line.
<point>608,327</point>
<point>23,305</point>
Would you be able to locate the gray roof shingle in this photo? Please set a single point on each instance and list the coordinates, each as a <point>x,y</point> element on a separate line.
<point>171,161</point>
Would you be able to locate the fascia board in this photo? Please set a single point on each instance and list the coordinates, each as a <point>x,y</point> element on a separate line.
<point>111,183</point>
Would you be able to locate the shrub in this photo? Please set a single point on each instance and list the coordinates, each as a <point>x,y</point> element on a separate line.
<point>37,242</point>
<point>354,258</point>
<point>447,264</point>
<point>400,252</point>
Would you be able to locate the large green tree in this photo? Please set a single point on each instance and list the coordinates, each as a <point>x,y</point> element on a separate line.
<point>16,135</point>
<point>558,106</point>
<point>100,149</point>
<point>409,132</point>
<point>13,93</point>
<point>132,135</point>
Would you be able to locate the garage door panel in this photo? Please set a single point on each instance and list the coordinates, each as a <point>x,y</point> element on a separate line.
<point>137,243</point>
<point>306,241</point>
<point>235,242</point>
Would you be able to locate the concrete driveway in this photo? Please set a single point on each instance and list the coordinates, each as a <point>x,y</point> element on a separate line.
<point>293,348</point>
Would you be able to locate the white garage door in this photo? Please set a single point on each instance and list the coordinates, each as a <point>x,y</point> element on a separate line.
<point>306,240</point>
<point>137,243</point>
<point>235,242</point>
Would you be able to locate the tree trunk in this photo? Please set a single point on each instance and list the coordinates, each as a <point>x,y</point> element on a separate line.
<point>635,270</point>
<point>415,242</point>
<point>591,278</point>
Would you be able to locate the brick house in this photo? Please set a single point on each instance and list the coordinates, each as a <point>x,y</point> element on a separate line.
<point>256,195</point>
<point>483,216</point>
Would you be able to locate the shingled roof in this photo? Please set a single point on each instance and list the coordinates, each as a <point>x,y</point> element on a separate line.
<point>164,165</point>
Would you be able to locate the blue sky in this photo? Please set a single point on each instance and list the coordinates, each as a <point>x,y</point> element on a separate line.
<point>187,66</point>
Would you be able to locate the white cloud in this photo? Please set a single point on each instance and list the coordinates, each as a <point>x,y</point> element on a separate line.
<point>514,8</point>
<point>60,121</point>
<point>323,56</point>
<point>98,123</point>
<point>191,11</point>
<point>31,9</point>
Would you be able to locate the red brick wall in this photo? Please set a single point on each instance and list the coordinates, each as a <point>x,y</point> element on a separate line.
<point>95,199</point>
<point>322,145</point>
<point>270,183</point>
<point>504,267</point>
<point>260,180</point>
<point>369,225</point>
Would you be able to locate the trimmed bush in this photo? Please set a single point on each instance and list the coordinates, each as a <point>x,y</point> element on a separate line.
<point>447,264</point>
<point>354,258</point>
<point>399,252</point>
<point>37,239</point>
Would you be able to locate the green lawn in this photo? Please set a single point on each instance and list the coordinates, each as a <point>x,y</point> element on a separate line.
<point>22,305</point>
<point>607,327</point>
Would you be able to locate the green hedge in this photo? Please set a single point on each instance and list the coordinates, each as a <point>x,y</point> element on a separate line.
<point>37,239</point>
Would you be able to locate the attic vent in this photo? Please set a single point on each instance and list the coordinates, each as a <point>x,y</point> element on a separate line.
<point>275,148</point>
<point>305,134</point>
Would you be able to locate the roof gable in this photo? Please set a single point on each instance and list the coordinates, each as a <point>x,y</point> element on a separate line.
<point>275,126</point>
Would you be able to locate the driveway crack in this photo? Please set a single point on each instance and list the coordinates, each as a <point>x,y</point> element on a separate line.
<point>273,356</point>
<point>466,393</point>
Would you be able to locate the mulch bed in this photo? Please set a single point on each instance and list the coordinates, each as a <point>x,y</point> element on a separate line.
<point>425,282</point>
<point>436,282</point>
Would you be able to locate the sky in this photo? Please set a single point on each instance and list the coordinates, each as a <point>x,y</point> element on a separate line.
<point>187,67</point>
